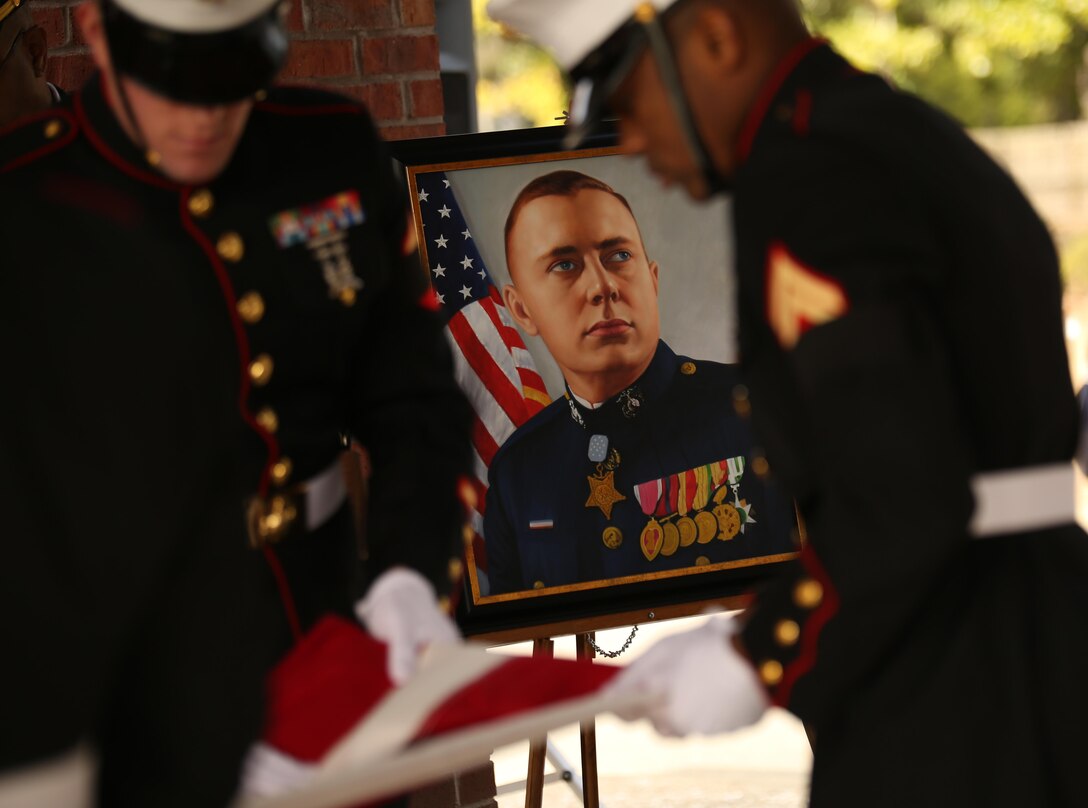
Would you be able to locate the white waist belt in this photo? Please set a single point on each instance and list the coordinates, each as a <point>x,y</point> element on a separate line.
<point>324,494</point>
<point>1018,500</point>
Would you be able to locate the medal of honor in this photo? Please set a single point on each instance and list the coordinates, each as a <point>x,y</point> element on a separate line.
<point>651,540</point>
<point>612,538</point>
<point>602,485</point>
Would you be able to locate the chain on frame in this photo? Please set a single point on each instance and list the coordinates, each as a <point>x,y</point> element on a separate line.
<point>612,654</point>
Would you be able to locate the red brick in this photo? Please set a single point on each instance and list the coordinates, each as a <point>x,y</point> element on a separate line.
<point>351,15</point>
<point>296,21</point>
<point>426,98</point>
<point>385,100</point>
<point>416,12</point>
<point>320,58</point>
<point>55,23</point>
<point>69,71</point>
<point>413,131</point>
<point>400,54</point>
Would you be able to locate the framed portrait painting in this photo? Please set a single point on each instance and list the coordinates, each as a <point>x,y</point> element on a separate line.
<point>591,315</point>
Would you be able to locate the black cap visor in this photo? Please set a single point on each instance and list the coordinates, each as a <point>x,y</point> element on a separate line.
<point>597,78</point>
<point>201,69</point>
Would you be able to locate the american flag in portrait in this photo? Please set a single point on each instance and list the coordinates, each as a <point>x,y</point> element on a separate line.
<point>493,366</point>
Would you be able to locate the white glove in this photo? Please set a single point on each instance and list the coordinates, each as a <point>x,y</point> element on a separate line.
<point>702,684</point>
<point>401,610</point>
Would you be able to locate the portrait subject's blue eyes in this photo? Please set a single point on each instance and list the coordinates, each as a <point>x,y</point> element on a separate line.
<point>620,256</point>
<point>563,266</point>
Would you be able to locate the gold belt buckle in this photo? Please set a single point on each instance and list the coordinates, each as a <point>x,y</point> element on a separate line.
<point>269,520</point>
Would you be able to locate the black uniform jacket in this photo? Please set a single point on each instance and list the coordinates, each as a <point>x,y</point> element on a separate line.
<point>686,490</point>
<point>901,331</point>
<point>241,328</point>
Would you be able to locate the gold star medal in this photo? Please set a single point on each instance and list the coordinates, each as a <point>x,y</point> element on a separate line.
<point>602,485</point>
<point>603,493</point>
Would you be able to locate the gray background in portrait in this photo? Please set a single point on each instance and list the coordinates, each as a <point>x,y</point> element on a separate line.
<point>692,244</point>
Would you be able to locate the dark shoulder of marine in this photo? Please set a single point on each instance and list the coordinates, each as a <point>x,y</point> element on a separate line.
<point>664,477</point>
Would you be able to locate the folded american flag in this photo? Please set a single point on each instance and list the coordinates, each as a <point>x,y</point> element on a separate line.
<point>340,733</point>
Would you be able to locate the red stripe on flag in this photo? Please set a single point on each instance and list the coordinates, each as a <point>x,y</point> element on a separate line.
<point>484,366</point>
<point>482,440</point>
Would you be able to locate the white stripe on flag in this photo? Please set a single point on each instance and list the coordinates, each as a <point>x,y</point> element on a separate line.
<point>489,337</point>
<point>489,410</point>
<point>523,359</point>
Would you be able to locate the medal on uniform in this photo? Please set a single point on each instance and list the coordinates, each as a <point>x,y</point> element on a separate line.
<point>322,226</point>
<point>602,485</point>
<point>612,538</point>
<point>670,541</point>
<point>651,540</point>
<point>707,524</point>
<point>735,471</point>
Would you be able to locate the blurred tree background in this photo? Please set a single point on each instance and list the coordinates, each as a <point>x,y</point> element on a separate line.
<point>986,62</point>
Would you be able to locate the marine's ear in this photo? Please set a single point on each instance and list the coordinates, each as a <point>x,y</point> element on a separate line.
<point>515,304</point>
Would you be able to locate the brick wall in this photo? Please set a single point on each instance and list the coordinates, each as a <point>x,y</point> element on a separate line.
<point>383,52</point>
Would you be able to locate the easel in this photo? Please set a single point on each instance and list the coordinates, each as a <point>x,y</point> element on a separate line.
<point>538,747</point>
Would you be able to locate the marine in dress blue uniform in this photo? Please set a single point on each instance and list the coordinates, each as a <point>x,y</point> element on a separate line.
<point>901,335</point>
<point>273,309</point>
<point>663,476</point>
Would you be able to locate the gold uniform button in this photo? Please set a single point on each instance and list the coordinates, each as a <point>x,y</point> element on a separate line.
<point>808,594</point>
<point>201,203</point>
<point>702,561</point>
<point>457,569</point>
<point>231,247</point>
<point>260,370</point>
<point>251,308</point>
<point>760,467</point>
<point>268,420</point>
<point>347,297</point>
<point>538,584</point>
<point>153,157</point>
<point>688,368</point>
<point>787,632</point>
<point>260,95</point>
<point>281,471</point>
<point>53,129</point>
<point>645,13</point>
<point>771,672</point>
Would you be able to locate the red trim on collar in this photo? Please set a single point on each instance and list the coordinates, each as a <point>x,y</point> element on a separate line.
<point>768,92</point>
<point>113,157</point>
<point>50,146</point>
<point>813,627</point>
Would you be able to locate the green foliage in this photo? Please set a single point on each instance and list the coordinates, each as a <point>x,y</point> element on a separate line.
<point>987,62</point>
<point>519,84</point>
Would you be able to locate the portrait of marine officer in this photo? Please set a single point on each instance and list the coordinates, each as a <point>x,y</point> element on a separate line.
<point>643,466</point>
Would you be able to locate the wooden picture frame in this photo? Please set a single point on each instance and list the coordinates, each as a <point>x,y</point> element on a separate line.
<point>461,189</point>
